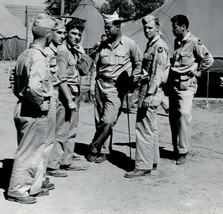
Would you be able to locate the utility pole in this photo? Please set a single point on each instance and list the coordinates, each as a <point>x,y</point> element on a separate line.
<point>27,26</point>
<point>62,8</point>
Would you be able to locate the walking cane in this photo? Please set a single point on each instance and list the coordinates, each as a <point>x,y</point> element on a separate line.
<point>207,89</point>
<point>127,107</point>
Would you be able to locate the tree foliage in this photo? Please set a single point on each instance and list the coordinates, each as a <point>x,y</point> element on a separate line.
<point>127,9</point>
<point>124,8</point>
<point>131,9</point>
<point>144,7</point>
<point>54,6</point>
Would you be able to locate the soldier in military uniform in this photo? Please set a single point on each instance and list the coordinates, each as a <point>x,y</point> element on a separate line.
<point>155,70</point>
<point>33,88</point>
<point>51,151</point>
<point>73,63</point>
<point>116,59</point>
<point>190,60</point>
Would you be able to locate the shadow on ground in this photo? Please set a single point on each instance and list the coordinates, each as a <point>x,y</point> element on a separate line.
<point>120,159</point>
<point>5,173</point>
<point>117,158</point>
<point>131,145</point>
<point>167,154</point>
<point>81,149</point>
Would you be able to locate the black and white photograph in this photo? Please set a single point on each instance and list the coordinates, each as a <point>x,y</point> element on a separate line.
<point>111,106</point>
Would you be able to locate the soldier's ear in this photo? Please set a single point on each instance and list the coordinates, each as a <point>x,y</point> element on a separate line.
<point>49,34</point>
<point>184,27</point>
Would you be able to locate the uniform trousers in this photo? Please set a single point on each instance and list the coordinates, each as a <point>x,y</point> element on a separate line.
<point>107,110</point>
<point>147,146</point>
<point>51,130</point>
<point>28,168</point>
<point>180,115</point>
<point>66,131</point>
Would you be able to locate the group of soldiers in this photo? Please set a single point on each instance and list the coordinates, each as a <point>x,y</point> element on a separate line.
<point>47,80</point>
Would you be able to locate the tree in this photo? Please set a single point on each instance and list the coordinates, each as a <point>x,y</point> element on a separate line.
<point>54,6</point>
<point>144,7</point>
<point>127,9</point>
<point>123,7</point>
<point>130,9</point>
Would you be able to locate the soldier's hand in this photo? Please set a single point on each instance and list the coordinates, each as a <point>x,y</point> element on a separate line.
<point>147,101</point>
<point>91,95</point>
<point>12,79</point>
<point>72,106</point>
<point>45,106</point>
<point>198,74</point>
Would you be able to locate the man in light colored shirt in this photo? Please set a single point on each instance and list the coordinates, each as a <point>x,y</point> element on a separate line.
<point>155,71</point>
<point>73,63</point>
<point>191,59</point>
<point>34,89</point>
<point>116,59</point>
<point>53,149</point>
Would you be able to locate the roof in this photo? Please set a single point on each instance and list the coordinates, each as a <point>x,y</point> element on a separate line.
<point>94,26</point>
<point>19,11</point>
<point>10,26</point>
<point>205,19</point>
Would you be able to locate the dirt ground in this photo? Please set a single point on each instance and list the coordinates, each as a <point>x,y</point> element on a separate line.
<point>194,188</point>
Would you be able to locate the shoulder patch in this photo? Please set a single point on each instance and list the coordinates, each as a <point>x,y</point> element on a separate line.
<point>160,50</point>
<point>199,42</point>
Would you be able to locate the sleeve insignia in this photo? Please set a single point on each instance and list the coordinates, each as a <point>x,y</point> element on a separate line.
<point>199,42</point>
<point>160,50</point>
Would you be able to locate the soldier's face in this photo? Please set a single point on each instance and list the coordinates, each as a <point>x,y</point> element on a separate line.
<point>74,36</point>
<point>111,30</point>
<point>58,36</point>
<point>150,29</point>
<point>177,29</point>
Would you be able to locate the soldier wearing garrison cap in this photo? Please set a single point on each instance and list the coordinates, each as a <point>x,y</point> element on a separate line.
<point>116,59</point>
<point>51,152</point>
<point>34,89</point>
<point>73,63</point>
<point>155,70</point>
<point>190,59</point>
<point>44,21</point>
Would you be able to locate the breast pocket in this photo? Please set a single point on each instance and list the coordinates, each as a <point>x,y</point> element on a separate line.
<point>147,61</point>
<point>71,67</point>
<point>120,59</point>
<point>104,58</point>
<point>119,56</point>
<point>186,58</point>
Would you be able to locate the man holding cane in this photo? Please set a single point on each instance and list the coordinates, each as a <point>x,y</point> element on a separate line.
<point>117,58</point>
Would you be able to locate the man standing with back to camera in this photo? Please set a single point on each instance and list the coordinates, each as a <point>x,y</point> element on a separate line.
<point>117,58</point>
<point>190,60</point>
<point>34,89</point>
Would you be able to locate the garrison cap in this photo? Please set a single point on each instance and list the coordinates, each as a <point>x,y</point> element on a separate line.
<point>44,21</point>
<point>111,18</point>
<point>148,19</point>
<point>59,24</point>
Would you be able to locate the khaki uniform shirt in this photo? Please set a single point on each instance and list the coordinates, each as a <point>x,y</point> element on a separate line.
<point>72,65</point>
<point>32,76</point>
<point>110,62</point>
<point>52,54</point>
<point>155,64</point>
<point>190,55</point>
